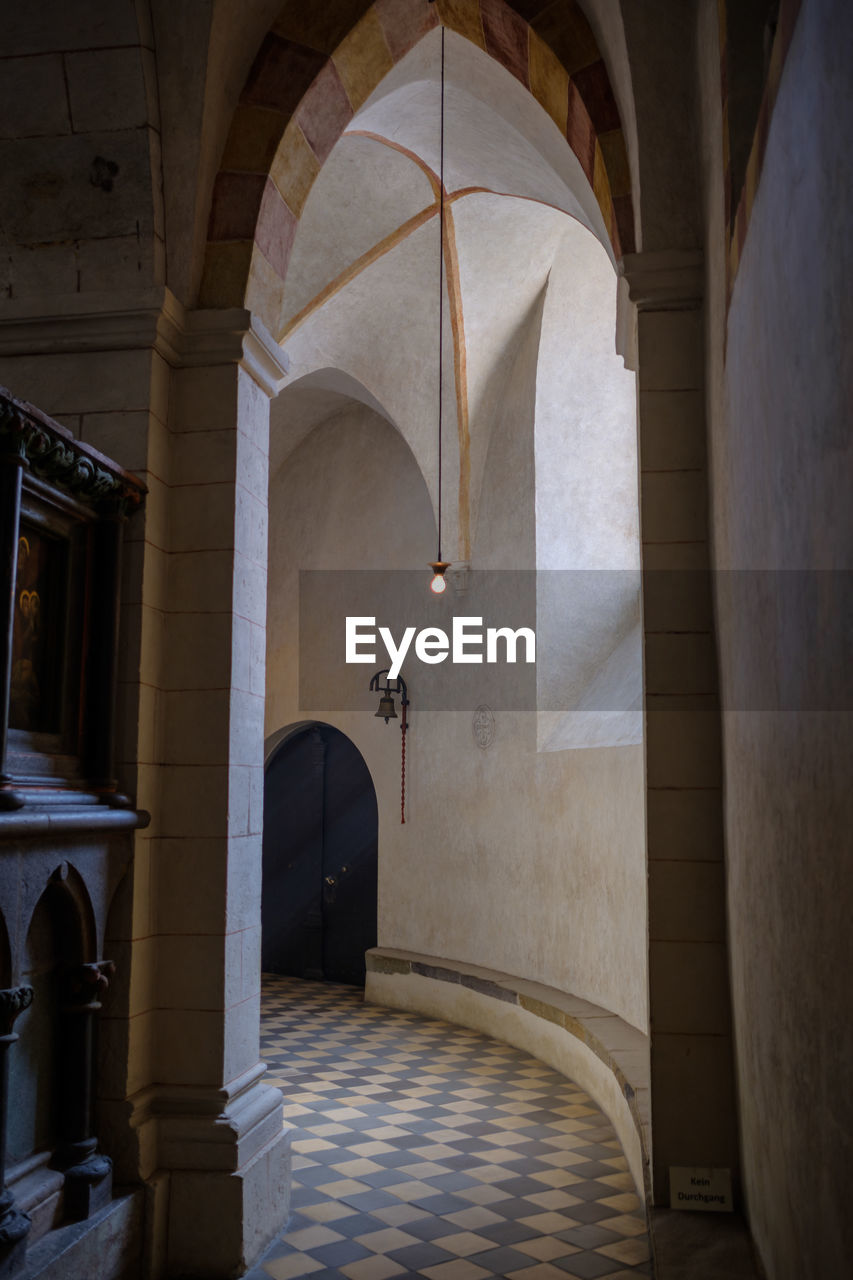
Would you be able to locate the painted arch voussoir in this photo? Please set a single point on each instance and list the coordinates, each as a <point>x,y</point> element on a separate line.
<point>325,112</point>
<point>315,68</point>
<point>506,36</point>
<point>281,75</point>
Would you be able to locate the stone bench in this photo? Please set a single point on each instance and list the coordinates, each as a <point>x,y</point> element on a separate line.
<point>601,1052</point>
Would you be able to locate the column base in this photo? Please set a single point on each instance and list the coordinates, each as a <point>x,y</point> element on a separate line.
<point>14,1229</point>
<point>220,1175</point>
<point>221,1223</point>
<point>88,1187</point>
<point>10,798</point>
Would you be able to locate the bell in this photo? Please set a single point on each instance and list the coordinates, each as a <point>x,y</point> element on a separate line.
<point>386,710</point>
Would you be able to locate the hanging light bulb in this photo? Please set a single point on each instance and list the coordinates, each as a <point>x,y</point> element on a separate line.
<point>439,582</point>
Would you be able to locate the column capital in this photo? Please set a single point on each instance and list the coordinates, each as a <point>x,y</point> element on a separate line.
<point>234,336</point>
<point>12,1003</point>
<point>144,318</point>
<point>664,280</point>
<point>86,983</point>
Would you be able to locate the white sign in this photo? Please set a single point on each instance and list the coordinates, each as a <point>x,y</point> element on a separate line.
<point>707,1189</point>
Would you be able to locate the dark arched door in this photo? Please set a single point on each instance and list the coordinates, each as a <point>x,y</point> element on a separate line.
<point>320,858</point>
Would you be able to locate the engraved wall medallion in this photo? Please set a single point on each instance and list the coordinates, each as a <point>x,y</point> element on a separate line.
<point>483,726</point>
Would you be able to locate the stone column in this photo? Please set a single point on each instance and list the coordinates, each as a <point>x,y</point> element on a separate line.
<point>692,1087</point>
<point>183,400</point>
<point>12,463</point>
<point>88,1174</point>
<point>219,1125</point>
<point>103,666</point>
<point>14,1225</point>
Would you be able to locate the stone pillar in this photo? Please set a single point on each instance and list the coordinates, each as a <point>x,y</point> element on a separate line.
<point>103,667</point>
<point>219,1126</point>
<point>14,1225</point>
<point>12,462</point>
<point>183,401</point>
<point>692,1084</point>
<point>88,1174</point>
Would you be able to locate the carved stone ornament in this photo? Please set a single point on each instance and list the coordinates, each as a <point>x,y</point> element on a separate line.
<point>88,982</point>
<point>92,1170</point>
<point>483,726</point>
<point>54,455</point>
<point>14,1227</point>
<point>13,1002</point>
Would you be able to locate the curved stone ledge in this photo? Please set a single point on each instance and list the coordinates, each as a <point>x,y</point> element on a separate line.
<point>600,1051</point>
<point>70,818</point>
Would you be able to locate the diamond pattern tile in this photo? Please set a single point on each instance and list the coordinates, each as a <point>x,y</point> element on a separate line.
<point>424,1149</point>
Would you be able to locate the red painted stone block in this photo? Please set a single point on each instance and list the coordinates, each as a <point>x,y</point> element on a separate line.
<point>235,205</point>
<point>623,209</point>
<point>506,35</point>
<point>325,112</point>
<point>403,23</point>
<point>281,74</point>
<point>594,86</point>
<point>276,229</point>
<point>580,132</point>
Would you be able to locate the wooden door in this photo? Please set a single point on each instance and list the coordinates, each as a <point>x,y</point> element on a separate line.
<point>320,858</point>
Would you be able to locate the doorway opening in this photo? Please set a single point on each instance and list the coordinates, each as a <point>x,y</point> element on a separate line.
<point>318,913</point>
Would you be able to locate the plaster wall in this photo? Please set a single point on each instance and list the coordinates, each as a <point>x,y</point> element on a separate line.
<point>587,518</point>
<point>780,386</point>
<point>390,349</point>
<point>377,187</point>
<point>509,858</point>
<point>494,128</point>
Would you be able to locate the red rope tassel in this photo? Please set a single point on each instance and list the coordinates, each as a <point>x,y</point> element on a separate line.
<point>403,768</point>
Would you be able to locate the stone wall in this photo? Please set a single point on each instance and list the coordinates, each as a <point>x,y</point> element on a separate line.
<point>779,396</point>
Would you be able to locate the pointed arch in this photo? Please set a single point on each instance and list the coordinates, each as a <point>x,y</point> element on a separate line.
<point>65,900</point>
<point>313,72</point>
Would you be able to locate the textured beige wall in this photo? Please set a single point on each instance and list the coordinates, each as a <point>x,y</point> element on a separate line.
<point>779,409</point>
<point>510,858</point>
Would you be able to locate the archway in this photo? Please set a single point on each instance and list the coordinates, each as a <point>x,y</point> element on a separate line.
<point>309,77</point>
<point>539,478</point>
<point>60,936</point>
<point>580,817</point>
<point>318,913</point>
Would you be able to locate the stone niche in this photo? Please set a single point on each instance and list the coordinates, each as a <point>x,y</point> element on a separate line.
<point>65,844</point>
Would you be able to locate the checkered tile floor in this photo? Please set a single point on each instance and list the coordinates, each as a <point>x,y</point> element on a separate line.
<point>424,1149</point>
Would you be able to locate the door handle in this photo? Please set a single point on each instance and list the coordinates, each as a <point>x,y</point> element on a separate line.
<point>330,881</point>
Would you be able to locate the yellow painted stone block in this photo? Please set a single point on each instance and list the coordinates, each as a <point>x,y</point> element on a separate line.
<point>615,155</point>
<point>320,24</point>
<point>463,16</point>
<point>601,185</point>
<point>226,272</point>
<point>549,81</point>
<point>362,59</point>
<point>721,22</point>
<point>294,168</point>
<point>252,141</point>
<point>265,291</point>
